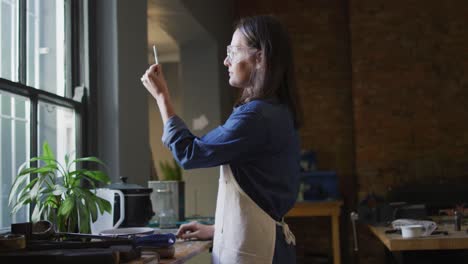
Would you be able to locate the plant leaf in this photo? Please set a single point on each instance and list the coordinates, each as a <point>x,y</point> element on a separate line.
<point>83,217</point>
<point>43,158</point>
<point>59,190</point>
<point>47,152</point>
<point>93,159</point>
<point>90,182</point>
<point>92,200</point>
<point>26,171</point>
<point>91,203</point>
<point>46,169</point>
<point>67,206</point>
<point>75,172</point>
<point>171,171</point>
<point>49,162</point>
<point>104,205</point>
<point>22,166</point>
<point>15,187</point>
<point>73,182</point>
<point>73,221</point>
<point>61,223</point>
<point>35,189</point>
<point>20,196</point>
<point>42,170</point>
<point>21,202</point>
<point>97,176</point>
<point>51,201</point>
<point>31,183</point>
<point>37,212</point>
<point>67,160</point>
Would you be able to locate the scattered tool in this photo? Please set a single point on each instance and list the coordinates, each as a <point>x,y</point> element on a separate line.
<point>45,230</point>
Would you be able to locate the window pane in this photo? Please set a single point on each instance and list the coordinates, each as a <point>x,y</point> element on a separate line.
<point>9,39</point>
<point>14,150</point>
<point>46,45</point>
<point>57,127</point>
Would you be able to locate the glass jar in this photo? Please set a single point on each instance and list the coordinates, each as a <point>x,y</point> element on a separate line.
<point>166,214</point>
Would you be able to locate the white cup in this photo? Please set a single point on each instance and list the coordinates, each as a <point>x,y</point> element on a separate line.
<point>412,231</point>
<point>106,221</point>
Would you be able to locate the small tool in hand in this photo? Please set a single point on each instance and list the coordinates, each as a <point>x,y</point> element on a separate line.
<point>155,55</point>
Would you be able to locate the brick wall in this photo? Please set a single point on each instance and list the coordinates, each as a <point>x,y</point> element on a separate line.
<point>410,96</point>
<point>384,86</point>
<point>410,82</point>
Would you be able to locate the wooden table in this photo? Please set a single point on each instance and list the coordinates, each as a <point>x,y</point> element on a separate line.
<point>395,242</point>
<point>185,250</point>
<point>325,208</point>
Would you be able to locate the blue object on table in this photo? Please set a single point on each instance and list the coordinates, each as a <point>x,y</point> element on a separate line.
<point>308,161</point>
<point>320,185</point>
<point>156,240</point>
<point>206,220</point>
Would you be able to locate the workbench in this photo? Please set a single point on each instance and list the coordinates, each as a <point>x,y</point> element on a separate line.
<point>322,208</point>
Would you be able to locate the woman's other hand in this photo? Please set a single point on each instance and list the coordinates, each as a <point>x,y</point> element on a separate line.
<point>154,82</point>
<point>195,230</point>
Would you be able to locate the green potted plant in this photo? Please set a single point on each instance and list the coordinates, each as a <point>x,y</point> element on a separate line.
<point>171,172</point>
<point>56,191</point>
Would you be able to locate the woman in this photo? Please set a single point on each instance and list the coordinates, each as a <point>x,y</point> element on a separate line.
<point>257,148</point>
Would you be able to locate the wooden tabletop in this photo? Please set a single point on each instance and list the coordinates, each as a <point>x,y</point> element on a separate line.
<point>395,242</point>
<point>185,250</point>
<point>319,208</point>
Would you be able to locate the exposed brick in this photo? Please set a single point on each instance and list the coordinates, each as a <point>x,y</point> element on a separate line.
<point>387,108</point>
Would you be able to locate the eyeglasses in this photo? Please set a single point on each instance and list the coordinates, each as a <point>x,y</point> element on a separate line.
<point>237,53</point>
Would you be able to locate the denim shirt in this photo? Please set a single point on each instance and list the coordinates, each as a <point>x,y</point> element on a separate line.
<point>260,144</point>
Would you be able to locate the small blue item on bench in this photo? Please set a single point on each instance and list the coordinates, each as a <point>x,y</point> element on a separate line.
<point>308,161</point>
<point>320,185</point>
<point>156,240</point>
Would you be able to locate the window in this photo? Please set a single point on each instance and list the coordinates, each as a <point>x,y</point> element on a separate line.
<point>36,83</point>
<point>14,132</point>
<point>9,39</point>
<point>45,45</point>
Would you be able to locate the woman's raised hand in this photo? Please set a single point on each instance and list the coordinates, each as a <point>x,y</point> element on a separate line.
<point>154,82</point>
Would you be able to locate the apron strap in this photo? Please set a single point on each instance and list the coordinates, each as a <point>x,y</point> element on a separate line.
<point>288,234</point>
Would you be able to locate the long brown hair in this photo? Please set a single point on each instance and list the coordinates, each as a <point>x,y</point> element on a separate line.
<point>276,78</point>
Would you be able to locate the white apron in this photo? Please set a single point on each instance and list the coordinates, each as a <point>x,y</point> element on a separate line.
<point>244,233</point>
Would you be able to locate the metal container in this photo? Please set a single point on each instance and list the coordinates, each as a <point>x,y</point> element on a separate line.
<point>177,192</point>
<point>138,208</point>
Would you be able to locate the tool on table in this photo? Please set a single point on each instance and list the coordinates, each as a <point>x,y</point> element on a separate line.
<point>55,247</point>
<point>45,230</point>
<point>12,242</point>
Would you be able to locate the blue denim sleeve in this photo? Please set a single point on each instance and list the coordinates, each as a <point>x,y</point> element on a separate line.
<point>237,140</point>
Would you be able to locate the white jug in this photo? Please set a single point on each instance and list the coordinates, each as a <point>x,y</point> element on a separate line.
<point>106,221</point>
